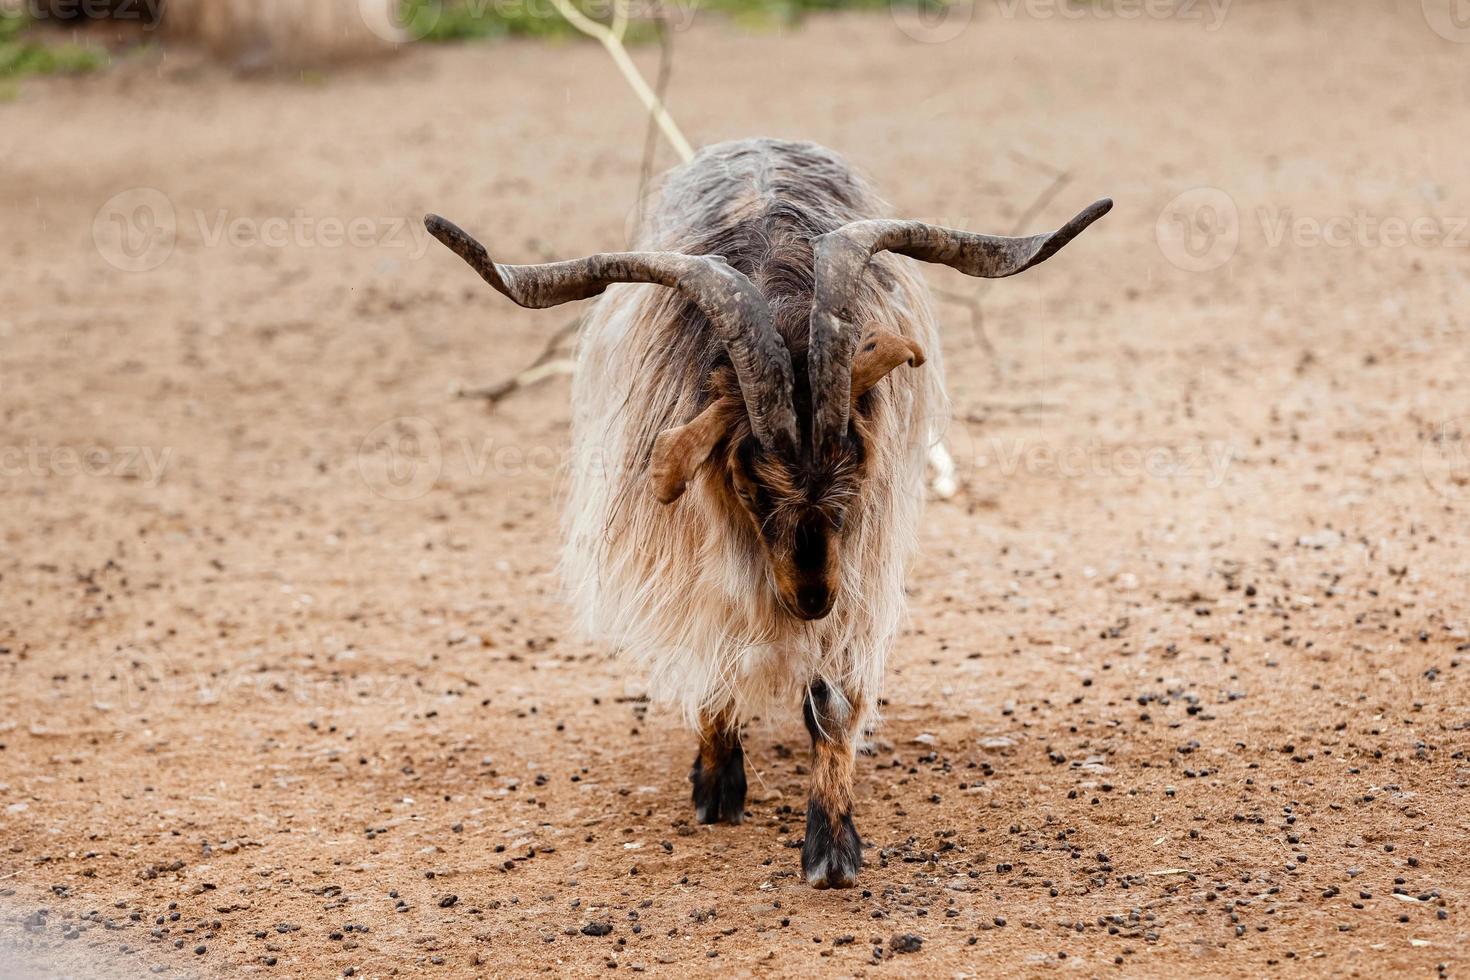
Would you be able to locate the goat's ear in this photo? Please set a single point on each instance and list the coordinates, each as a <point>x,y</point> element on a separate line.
<point>880,352</point>
<point>679,451</point>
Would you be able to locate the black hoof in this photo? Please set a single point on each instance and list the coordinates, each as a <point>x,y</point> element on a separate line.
<point>831,857</point>
<point>719,794</point>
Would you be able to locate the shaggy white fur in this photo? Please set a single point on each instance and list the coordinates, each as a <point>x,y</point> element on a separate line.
<point>683,590</point>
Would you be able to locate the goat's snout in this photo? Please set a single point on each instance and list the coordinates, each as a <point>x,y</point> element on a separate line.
<point>813,601</point>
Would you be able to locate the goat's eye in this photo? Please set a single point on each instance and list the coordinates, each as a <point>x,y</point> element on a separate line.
<point>838,520</point>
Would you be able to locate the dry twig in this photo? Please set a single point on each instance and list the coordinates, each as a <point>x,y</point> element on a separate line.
<point>547,364</point>
<point>973,302</point>
<point>661,87</point>
<point>611,38</point>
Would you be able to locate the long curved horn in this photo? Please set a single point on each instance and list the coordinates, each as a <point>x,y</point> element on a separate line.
<point>842,256</point>
<point>730,301</point>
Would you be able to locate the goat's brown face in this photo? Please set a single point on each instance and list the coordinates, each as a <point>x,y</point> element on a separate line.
<point>799,511</point>
<point>799,505</point>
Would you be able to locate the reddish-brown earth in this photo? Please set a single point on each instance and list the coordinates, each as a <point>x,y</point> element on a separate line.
<point>286,687</point>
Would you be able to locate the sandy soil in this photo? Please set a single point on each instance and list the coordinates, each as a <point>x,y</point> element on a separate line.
<point>287,685</point>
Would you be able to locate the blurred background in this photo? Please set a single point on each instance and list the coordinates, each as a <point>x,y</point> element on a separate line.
<point>272,34</point>
<point>286,682</point>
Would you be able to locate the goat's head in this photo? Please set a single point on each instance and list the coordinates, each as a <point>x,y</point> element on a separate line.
<point>796,481</point>
<point>796,501</point>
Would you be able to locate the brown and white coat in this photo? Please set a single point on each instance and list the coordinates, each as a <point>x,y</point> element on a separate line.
<point>749,448</point>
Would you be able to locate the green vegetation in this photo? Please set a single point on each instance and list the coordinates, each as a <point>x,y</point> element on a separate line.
<point>463,20</point>
<point>470,20</point>
<point>22,54</point>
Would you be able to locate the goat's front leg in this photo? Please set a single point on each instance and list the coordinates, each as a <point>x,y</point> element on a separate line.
<point>833,853</point>
<point>719,771</point>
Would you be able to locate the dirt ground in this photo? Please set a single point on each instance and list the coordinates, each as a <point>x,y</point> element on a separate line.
<point>288,688</point>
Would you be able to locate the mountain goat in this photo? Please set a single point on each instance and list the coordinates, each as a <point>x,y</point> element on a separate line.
<point>748,459</point>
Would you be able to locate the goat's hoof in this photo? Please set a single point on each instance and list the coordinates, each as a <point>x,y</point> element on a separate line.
<point>719,794</point>
<point>831,856</point>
